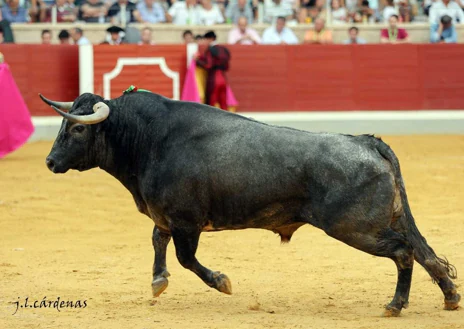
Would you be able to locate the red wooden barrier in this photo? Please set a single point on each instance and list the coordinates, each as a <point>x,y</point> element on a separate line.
<point>52,70</point>
<point>363,77</point>
<point>266,78</point>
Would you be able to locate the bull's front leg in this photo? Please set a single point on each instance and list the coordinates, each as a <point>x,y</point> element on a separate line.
<point>160,241</point>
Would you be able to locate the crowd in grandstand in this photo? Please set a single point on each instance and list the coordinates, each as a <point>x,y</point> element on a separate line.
<point>281,15</point>
<point>209,12</point>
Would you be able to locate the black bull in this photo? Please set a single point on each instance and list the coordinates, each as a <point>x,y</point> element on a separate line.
<point>193,168</point>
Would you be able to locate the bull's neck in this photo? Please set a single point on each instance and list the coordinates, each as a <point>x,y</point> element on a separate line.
<point>126,150</point>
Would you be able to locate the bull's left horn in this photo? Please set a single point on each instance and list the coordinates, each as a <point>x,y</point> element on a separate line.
<point>61,105</point>
<point>101,113</point>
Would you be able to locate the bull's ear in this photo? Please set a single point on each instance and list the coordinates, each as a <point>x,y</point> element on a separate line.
<point>61,105</point>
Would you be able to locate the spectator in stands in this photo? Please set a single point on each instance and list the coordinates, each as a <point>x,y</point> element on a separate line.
<point>302,16</point>
<point>147,37</point>
<point>321,8</point>
<point>318,35</point>
<point>94,11</point>
<point>131,14</point>
<point>64,37</point>
<point>151,11</point>
<point>115,35</point>
<point>445,32</point>
<point>368,14</point>
<point>65,12</point>
<point>242,34</point>
<point>187,36</point>
<point>199,39</point>
<point>209,13</point>
<point>393,34</point>
<point>237,9</point>
<point>446,7</point>
<point>183,13</point>
<point>2,40</point>
<point>46,37</point>
<point>354,38</point>
<point>78,36</point>
<point>389,10</point>
<point>277,8</point>
<point>405,11</point>
<point>13,12</point>
<point>312,14</point>
<point>37,10</point>
<point>426,5</point>
<point>339,14</point>
<point>351,7</point>
<point>279,34</point>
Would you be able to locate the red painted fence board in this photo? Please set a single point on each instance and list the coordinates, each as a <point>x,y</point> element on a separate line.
<point>52,70</point>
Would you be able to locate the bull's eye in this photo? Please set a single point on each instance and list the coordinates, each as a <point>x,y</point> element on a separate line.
<point>78,129</point>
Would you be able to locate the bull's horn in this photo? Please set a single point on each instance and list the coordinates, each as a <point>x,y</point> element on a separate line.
<point>101,113</point>
<point>61,105</point>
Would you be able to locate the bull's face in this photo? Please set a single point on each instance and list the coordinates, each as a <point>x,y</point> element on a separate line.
<point>75,145</point>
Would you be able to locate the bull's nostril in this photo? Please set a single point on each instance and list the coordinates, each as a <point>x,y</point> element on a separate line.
<point>50,164</point>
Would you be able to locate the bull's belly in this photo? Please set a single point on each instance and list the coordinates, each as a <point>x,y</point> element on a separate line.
<point>283,219</point>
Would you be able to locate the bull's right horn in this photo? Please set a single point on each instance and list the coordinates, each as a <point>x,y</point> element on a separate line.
<point>61,105</point>
<point>101,113</point>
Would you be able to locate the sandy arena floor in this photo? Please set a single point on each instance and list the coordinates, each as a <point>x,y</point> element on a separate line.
<point>79,236</point>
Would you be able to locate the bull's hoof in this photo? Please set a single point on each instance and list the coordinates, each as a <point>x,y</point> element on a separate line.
<point>452,304</point>
<point>159,285</point>
<point>222,283</point>
<point>391,311</point>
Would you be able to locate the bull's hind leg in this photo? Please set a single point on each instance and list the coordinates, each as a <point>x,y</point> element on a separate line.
<point>390,244</point>
<point>186,243</point>
<point>440,270</point>
<point>394,245</point>
<point>160,273</point>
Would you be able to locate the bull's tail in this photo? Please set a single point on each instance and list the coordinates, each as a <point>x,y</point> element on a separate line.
<point>437,267</point>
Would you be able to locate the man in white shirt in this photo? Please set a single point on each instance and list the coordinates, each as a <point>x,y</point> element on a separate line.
<point>277,8</point>
<point>77,36</point>
<point>209,13</point>
<point>183,13</point>
<point>446,7</point>
<point>279,34</point>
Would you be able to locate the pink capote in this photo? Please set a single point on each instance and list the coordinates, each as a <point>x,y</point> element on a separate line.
<point>15,120</point>
<point>191,90</point>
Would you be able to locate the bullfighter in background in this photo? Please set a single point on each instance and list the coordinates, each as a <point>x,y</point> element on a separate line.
<point>215,60</point>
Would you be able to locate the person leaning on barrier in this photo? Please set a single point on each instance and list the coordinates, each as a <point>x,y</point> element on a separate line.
<point>444,32</point>
<point>187,36</point>
<point>46,37</point>
<point>78,36</point>
<point>242,34</point>
<point>147,37</point>
<point>393,34</point>
<point>354,38</point>
<point>318,35</point>
<point>64,37</point>
<point>279,34</point>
